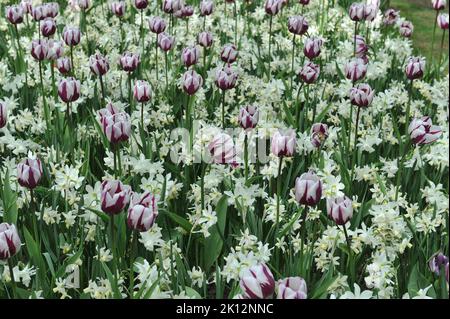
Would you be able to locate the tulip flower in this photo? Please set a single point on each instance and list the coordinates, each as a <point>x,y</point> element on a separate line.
<point>361,47</point>
<point>312,47</point>
<point>297,25</point>
<point>319,133</point>
<point>248,117</point>
<point>9,241</point>
<point>109,110</point>
<point>118,8</point>
<point>406,29</point>
<point>438,4</point>
<point>157,25</point>
<point>357,11</point>
<point>303,2</point>
<point>442,21</point>
<point>370,12</point>
<point>71,36</point>
<point>272,8</point>
<point>229,53</point>
<point>205,39</point>
<point>222,149</point>
<point>117,127</point>
<point>171,6</point>
<point>192,81</point>
<point>64,65</point>
<point>99,65</point>
<point>308,189</point>
<point>38,13</point>
<point>292,288</point>
<point>48,27</point>
<point>14,14</point>
<point>142,212</point>
<point>257,282</point>
<point>309,73</point>
<point>39,49</point>
<point>422,131</point>
<point>355,69</point>
<point>283,145</point>
<point>340,209</point>
<point>29,172</point>
<point>361,95</point>
<point>142,93</point>
<point>84,4</point>
<point>55,49</point>
<point>166,42</point>
<point>3,114</point>
<point>129,61</point>
<point>437,262</point>
<point>69,89</point>
<point>206,8</point>
<point>115,196</point>
<point>190,55</point>
<point>390,16</point>
<point>225,80</point>
<point>141,4</point>
<point>414,68</point>
<point>51,9</point>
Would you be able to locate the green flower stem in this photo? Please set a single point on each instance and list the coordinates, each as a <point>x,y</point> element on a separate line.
<point>246,156</point>
<point>13,280</point>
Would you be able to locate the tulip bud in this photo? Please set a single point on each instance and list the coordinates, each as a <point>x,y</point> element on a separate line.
<point>37,12</point>
<point>71,35</point>
<point>312,47</point>
<point>64,65</point>
<point>361,46</point>
<point>357,11</point>
<point>99,64</point>
<point>370,12</point>
<point>414,68</point>
<point>206,7</point>
<point>129,61</point>
<point>422,131</point>
<point>292,288</point>
<point>114,196</point>
<point>308,189</point>
<point>283,145</point>
<point>84,4</point>
<point>192,81</point>
<point>142,91</point>
<point>157,25</point>
<point>257,282</point>
<point>356,69</point>
<point>391,16</point>
<point>166,42</point>
<point>438,4</point>
<point>340,209</point>
<point>319,133</point>
<point>9,241</point>
<point>248,117</point>
<point>272,7</point>
<point>229,53</point>
<point>117,127</point>
<point>361,95</point>
<point>48,27</point>
<point>142,212</point>
<point>3,114</point>
<point>55,49</point>
<point>69,89</point>
<point>141,4</point>
<point>436,262</point>
<point>14,14</point>
<point>222,149</point>
<point>205,39</point>
<point>109,110</point>
<point>171,6</point>
<point>303,2</point>
<point>51,9</point>
<point>297,25</point>
<point>27,6</point>
<point>442,21</point>
<point>406,29</point>
<point>190,56</point>
<point>186,12</point>
<point>118,8</point>
<point>39,49</point>
<point>309,73</point>
<point>225,78</point>
<point>29,172</point>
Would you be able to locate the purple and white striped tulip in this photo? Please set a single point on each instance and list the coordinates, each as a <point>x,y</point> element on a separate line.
<point>48,27</point>
<point>205,39</point>
<point>297,25</point>
<point>308,189</point>
<point>55,49</point>
<point>438,4</point>
<point>29,172</point>
<point>406,29</point>
<point>14,14</point>
<point>422,131</point>
<point>141,4</point>
<point>309,73</point>
<point>257,282</point>
<point>142,91</point>
<point>129,61</point>
<point>69,89</point>
<point>3,114</point>
<point>225,78</point>
<point>157,25</point>
<point>340,209</point>
<point>165,41</point>
<point>356,11</point>
<point>319,133</point>
<point>272,7</point>
<point>436,262</point>
<point>248,117</point>
<point>229,53</point>
<point>9,241</point>
<point>64,65</point>
<point>206,7</point>
<point>98,64</point>
<point>117,127</point>
<point>361,95</point>
<point>390,16</point>
<point>312,47</point>
<point>71,35</point>
<point>142,212</point>
<point>39,49</point>
<point>222,149</point>
<point>292,288</point>
<point>118,8</point>
<point>442,21</point>
<point>414,68</point>
<point>190,55</point>
<point>355,69</point>
<point>114,197</point>
<point>283,144</point>
<point>192,81</point>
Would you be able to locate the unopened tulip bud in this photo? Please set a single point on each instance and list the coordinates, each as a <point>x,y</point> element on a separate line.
<point>9,241</point>
<point>422,131</point>
<point>39,49</point>
<point>14,14</point>
<point>292,288</point>
<point>283,145</point>
<point>129,61</point>
<point>319,133</point>
<point>205,39</point>
<point>192,81</point>
<point>222,149</point>
<point>308,189</point>
<point>118,8</point>
<point>442,21</point>
<point>361,95</point>
<point>190,55</point>
<point>297,25</point>
<point>257,282</point>
<point>437,262</point>
<point>141,4</point>
<point>157,25</point>
<point>229,53</point>
<point>406,29</point>
<point>114,196</point>
<point>142,212</point>
<point>206,7</point>
<point>171,6</point>
<point>272,7</point>
<point>166,42</point>
<point>309,73</point>
<point>357,11</point>
<point>37,12</point>
<point>356,69</point>
<point>225,78</point>
<point>312,47</point>
<point>340,209</point>
<point>438,4</point>
<point>248,117</point>
<point>69,89</point>
<point>55,49</point>
<point>414,68</point>
<point>390,17</point>
<point>48,27</point>
<point>370,12</point>
<point>71,35</point>
<point>117,127</point>
<point>29,172</point>
<point>99,64</point>
<point>27,6</point>
<point>142,91</point>
<point>64,65</point>
<point>3,114</point>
